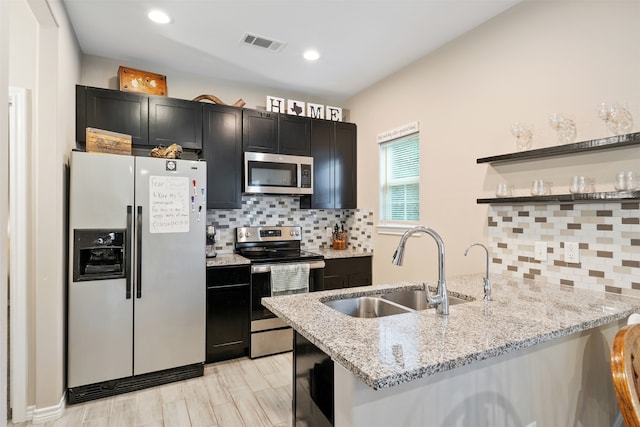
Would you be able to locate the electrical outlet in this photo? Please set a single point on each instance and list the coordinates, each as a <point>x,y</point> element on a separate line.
<point>572,252</point>
<point>328,231</point>
<point>540,251</point>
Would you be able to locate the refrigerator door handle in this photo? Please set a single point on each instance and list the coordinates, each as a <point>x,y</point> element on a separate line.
<point>139,253</point>
<point>128,260</point>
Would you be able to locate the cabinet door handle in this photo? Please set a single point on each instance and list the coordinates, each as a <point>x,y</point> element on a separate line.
<point>128,248</point>
<point>139,253</point>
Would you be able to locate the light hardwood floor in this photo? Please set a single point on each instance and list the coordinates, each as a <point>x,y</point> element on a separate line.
<point>236,393</point>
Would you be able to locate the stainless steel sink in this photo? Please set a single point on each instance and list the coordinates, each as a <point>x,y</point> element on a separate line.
<point>366,307</point>
<point>416,299</point>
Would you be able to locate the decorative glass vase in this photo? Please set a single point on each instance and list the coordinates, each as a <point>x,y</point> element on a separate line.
<point>616,117</point>
<point>524,136</point>
<point>565,128</point>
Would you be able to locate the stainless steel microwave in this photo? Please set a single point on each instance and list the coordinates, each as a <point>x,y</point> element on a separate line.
<point>277,173</point>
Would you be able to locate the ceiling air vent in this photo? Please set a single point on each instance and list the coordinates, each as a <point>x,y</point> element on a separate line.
<point>259,41</point>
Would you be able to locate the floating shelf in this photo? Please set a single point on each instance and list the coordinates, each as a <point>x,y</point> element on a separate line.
<point>611,196</point>
<point>618,141</point>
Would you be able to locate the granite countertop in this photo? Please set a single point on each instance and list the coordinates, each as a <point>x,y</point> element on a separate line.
<point>341,253</point>
<point>228,259</point>
<point>387,351</point>
<point>224,260</point>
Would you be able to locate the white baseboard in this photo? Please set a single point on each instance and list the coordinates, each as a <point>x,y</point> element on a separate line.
<point>41,415</point>
<point>29,414</point>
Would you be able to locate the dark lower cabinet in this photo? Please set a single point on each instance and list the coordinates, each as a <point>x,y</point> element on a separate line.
<point>347,272</point>
<point>228,302</point>
<point>313,394</point>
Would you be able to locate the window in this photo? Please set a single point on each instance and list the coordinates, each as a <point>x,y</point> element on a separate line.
<point>400,179</point>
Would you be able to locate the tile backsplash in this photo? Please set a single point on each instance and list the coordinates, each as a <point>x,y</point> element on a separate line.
<point>267,210</point>
<point>608,235</point>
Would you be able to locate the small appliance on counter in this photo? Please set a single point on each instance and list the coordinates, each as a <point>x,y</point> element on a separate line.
<point>211,241</point>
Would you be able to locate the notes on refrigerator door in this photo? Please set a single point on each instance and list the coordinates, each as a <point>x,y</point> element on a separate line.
<point>169,204</point>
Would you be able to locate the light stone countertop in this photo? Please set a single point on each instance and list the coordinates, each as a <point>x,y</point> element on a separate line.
<point>229,259</point>
<point>387,351</point>
<point>342,253</point>
<point>225,260</point>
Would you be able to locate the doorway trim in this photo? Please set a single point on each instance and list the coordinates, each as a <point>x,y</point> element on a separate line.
<point>19,238</point>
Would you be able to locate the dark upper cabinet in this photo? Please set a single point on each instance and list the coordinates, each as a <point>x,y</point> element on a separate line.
<point>322,151</point>
<point>294,135</point>
<point>175,121</point>
<point>222,149</point>
<point>333,148</point>
<point>267,132</point>
<point>259,131</point>
<point>150,120</point>
<point>345,161</point>
<point>112,110</point>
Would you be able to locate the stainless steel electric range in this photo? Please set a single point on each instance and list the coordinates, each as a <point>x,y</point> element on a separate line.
<point>267,247</point>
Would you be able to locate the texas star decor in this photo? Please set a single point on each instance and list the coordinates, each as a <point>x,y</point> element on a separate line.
<point>297,108</point>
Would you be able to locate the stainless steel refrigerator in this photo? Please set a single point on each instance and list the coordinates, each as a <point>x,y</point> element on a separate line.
<point>136,289</point>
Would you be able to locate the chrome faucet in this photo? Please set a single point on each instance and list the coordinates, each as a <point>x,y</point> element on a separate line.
<point>487,283</point>
<point>440,300</point>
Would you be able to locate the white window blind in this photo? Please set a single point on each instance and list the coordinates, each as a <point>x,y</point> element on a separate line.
<point>400,179</point>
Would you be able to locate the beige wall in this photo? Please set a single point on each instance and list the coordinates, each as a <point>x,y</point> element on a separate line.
<point>45,59</point>
<point>103,72</point>
<point>533,60</point>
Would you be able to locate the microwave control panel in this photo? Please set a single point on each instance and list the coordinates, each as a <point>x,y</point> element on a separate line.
<point>305,176</point>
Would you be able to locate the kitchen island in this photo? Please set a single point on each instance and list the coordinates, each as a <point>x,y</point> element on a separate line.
<point>538,354</point>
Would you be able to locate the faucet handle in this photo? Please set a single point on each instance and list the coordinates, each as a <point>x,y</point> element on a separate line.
<point>435,298</point>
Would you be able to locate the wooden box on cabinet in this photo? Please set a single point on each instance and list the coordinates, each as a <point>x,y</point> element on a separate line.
<point>132,80</point>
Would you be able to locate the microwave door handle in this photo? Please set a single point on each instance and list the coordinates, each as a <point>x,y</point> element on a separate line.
<point>299,173</point>
<point>127,253</point>
<point>139,253</point>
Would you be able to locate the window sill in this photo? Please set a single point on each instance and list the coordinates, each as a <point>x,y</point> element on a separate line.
<point>393,229</point>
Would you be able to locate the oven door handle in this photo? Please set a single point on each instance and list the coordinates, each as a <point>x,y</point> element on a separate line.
<point>266,268</point>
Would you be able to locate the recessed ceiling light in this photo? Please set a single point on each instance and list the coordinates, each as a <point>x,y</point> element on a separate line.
<point>311,55</point>
<point>159,17</point>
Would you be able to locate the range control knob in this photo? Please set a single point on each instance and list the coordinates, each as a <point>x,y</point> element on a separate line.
<point>247,234</point>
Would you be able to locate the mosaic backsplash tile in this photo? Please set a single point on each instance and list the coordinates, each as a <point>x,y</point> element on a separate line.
<point>608,235</point>
<point>269,210</point>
